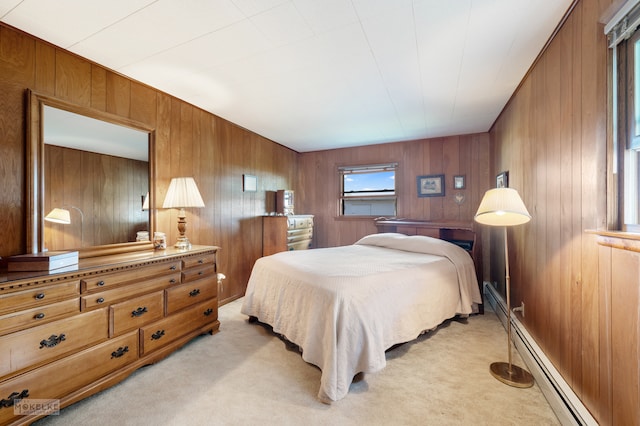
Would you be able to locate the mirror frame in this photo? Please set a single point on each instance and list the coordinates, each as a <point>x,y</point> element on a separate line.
<point>35,173</point>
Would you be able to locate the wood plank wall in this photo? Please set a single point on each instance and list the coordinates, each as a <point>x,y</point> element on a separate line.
<point>189,142</point>
<point>319,186</point>
<point>552,137</point>
<point>88,180</point>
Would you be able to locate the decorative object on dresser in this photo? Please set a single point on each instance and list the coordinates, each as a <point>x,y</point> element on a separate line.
<point>183,192</point>
<point>504,207</point>
<point>67,335</point>
<point>286,233</point>
<point>44,261</point>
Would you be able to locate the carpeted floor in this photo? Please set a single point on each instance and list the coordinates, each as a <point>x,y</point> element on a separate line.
<point>244,375</point>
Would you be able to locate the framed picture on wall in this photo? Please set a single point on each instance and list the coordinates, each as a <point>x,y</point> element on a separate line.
<point>502,180</point>
<point>430,186</point>
<point>249,183</point>
<point>458,182</point>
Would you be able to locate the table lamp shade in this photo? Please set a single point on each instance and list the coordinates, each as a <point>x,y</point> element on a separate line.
<point>183,192</point>
<point>502,207</point>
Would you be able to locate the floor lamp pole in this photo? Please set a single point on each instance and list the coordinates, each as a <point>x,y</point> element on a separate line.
<point>508,373</point>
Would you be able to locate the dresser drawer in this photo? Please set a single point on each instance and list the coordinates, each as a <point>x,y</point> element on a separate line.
<point>62,377</point>
<point>167,330</point>
<point>47,342</point>
<point>205,259</point>
<point>105,298</point>
<point>135,313</point>
<point>107,280</point>
<point>38,296</point>
<point>40,315</point>
<point>183,295</point>
<point>193,274</point>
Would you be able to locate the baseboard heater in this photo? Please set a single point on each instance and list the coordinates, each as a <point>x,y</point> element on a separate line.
<point>564,402</point>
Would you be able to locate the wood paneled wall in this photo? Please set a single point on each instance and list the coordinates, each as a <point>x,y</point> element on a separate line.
<point>107,189</point>
<point>189,142</point>
<point>319,186</point>
<point>552,138</point>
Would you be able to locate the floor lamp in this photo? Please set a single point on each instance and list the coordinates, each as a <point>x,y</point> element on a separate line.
<point>504,207</point>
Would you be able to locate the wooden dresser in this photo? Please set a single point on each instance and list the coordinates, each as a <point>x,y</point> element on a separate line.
<point>67,335</point>
<point>286,233</point>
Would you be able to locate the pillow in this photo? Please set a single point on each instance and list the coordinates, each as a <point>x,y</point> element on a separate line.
<point>413,243</point>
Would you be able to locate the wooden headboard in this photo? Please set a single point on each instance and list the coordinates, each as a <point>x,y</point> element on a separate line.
<point>459,233</point>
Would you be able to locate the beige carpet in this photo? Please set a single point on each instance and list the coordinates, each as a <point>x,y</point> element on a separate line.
<point>244,375</point>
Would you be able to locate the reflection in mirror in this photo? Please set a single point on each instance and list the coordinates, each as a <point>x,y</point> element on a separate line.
<point>96,173</point>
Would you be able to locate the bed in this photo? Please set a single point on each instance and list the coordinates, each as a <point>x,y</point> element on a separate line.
<point>345,306</point>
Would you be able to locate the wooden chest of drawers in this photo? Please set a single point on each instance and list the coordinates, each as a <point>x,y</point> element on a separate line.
<point>65,336</point>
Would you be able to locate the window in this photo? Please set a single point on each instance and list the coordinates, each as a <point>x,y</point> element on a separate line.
<point>368,190</point>
<point>624,41</point>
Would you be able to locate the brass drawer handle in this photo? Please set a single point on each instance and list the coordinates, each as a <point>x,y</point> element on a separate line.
<point>194,293</point>
<point>39,316</point>
<point>100,300</point>
<point>157,335</point>
<point>119,352</point>
<point>172,281</point>
<point>39,296</point>
<point>100,283</point>
<point>11,399</point>
<point>200,272</point>
<point>138,312</point>
<point>52,341</point>
<point>208,312</point>
<point>200,261</point>
<point>172,267</point>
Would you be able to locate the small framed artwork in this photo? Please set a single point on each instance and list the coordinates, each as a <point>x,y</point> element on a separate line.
<point>249,183</point>
<point>502,180</point>
<point>430,186</point>
<point>458,182</point>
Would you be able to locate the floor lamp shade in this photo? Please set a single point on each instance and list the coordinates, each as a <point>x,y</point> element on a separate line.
<point>504,207</point>
<point>183,192</point>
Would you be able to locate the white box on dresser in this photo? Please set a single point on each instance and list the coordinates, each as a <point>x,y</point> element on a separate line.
<point>67,335</point>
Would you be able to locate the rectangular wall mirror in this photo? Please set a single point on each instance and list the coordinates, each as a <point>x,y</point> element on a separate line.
<point>90,178</point>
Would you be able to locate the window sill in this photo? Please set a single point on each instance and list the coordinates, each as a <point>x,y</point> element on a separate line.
<point>618,239</point>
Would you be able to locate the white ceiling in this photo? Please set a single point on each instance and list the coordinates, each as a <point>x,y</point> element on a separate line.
<point>313,74</point>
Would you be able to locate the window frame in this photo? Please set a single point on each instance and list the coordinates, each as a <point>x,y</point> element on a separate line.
<point>623,135</point>
<point>343,170</point>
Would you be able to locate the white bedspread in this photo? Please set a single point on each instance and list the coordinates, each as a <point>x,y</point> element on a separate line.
<point>344,306</point>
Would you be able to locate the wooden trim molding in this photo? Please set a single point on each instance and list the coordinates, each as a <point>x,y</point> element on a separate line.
<point>618,239</point>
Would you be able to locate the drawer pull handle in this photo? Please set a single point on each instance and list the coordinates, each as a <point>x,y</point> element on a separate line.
<point>208,312</point>
<point>200,261</point>
<point>119,352</point>
<point>157,335</point>
<point>172,281</point>
<point>40,296</point>
<point>52,341</point>
<point>39,316</point>
<point>11,399</point>
<point>173,267</point>
<point>100,283</point>
<point>194,293</point>
<point>138,312</point>
<point>200,272</point>
<point>100,300</point>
